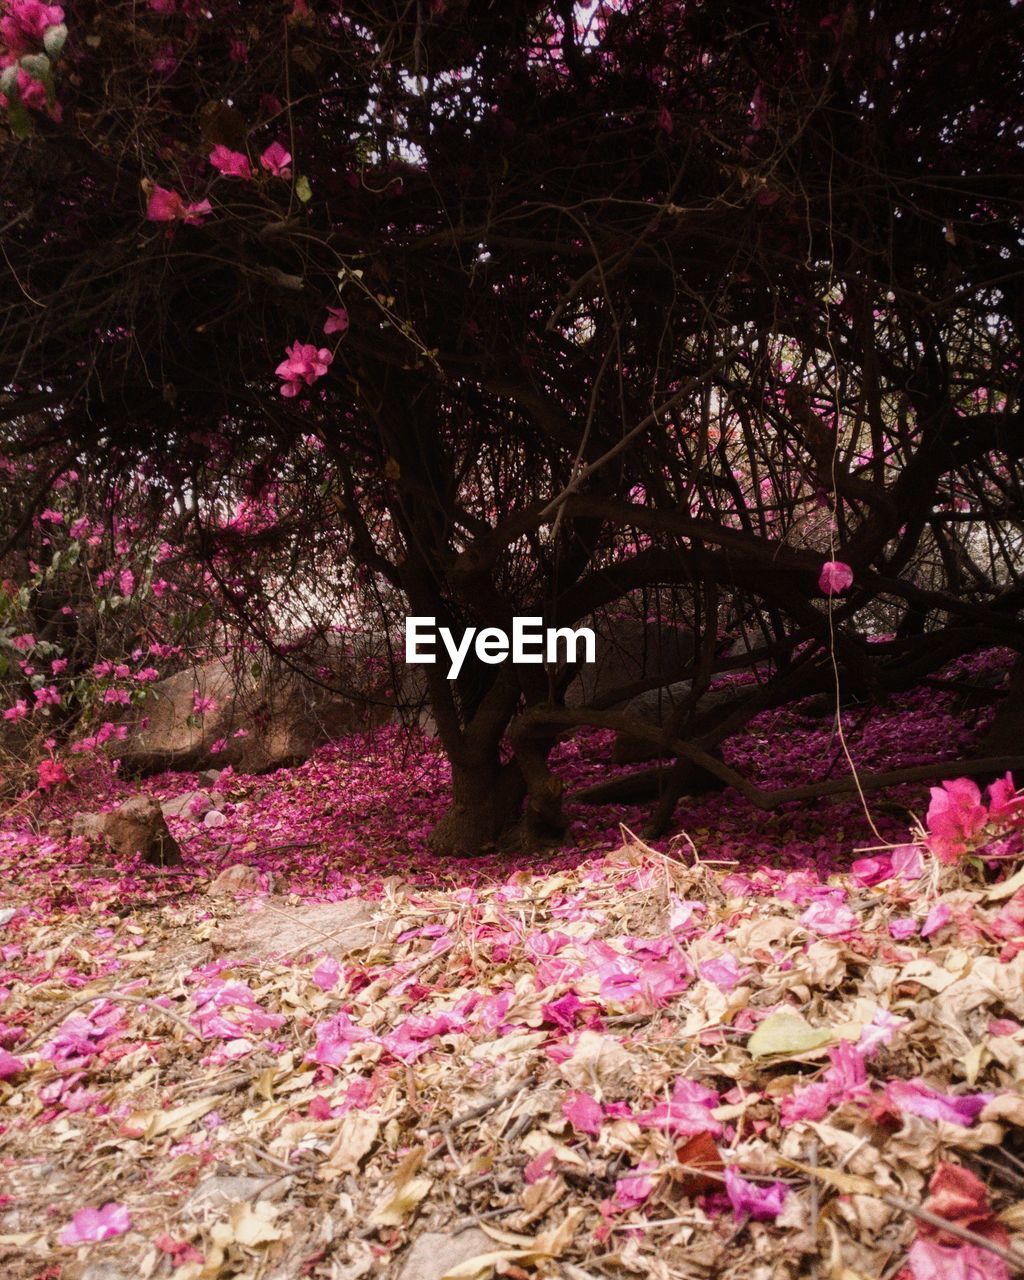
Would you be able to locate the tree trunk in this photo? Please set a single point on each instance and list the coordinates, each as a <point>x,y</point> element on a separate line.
<point>484,812</point>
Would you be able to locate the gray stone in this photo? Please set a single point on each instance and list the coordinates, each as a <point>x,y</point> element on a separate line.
<point>192,804</point>
<point>281,928</point>
<point>281,717</point>
<point>656,705</point>
<point>219,1190</point>
<point>236,879</point>
<point>103,1271</point>
<point>629,652</point>
<point>432,1254</point>
<point>137,826</point>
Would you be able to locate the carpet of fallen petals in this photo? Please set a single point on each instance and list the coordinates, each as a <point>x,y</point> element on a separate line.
<point>723,1057</point>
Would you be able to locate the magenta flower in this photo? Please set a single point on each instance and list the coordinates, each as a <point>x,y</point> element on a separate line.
<point>723,971</point>
<point>276,161</point>
<point>232,164</point>
<point>9,1065</point>
<point>51,773</point>
<point>830,918</point>
<point>305,363</point>
<point>939,916</point>
<point>914,1097</point>
<point>836,577</point>
<point>337,320</point>
<point>749,1200</point>
<point>955,815</point>
<point>633,1188</point>
<point>583,1112</point>
<point>1004,801</point>
<point>334,1038</point>
<point>201,705</point>
<point>89,1226</point>
<point>168,206</point>
<point>26,22</point>
<point>871,871</point>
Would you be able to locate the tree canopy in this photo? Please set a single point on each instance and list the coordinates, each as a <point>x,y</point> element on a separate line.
<point>485,310</point>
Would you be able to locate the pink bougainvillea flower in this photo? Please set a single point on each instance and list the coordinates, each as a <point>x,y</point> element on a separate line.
<point>88,1226</point>
<point>337,320</point>
<point>327,973</point>
<point>955,816</point>
<point>871,871</point>
<point>810,1102</point>
<point>275,159</point>
<point>19,711</point>
<point>749,1200</point>
<point>163,6</point>
<point>409,1040</point>
<point>26,22</point>
<point>9,1065</point>
<point>232,164</point>
<point>1005,804</point>
<point>939,916</point>
<point>304,364</point>
<point>835,578</point>
<point>916,1098</point>
<point>51,773</point>
<point>334,1038</point>
<point>723,971</point>
<point>906,862</point>
<point>168,206</point>
<point>633,1188</point>
<point>958,1197</point>
<point>562,1012</point>
<point>201,705</point>
<point>830,918</point>
<point>929,1260</point>
<point>583,1112</point>
<point>903,929</point>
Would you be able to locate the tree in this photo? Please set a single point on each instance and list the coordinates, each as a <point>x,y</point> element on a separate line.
<point>563,304</point>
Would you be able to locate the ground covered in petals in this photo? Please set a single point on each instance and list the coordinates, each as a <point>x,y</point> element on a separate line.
<point>739,1054</point>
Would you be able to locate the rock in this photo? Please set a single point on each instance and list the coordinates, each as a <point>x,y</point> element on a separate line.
<point>433,1254</point>
<point>210,777</point>
<point>58,829</point>
<point>218,1191</point>
<point>7,914</point>
<point>629,652</point>
<point>103,1271</point>
<point>656,705</point>
<point>236,879</point>
<point>277,928</point>
<point>137,826</point>
<point>259,718</point>
<point>191,804</point>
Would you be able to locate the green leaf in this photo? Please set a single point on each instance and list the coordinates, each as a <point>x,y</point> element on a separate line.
<point>303,190</point>
<point>19,120</point>
<point>786,1034</point>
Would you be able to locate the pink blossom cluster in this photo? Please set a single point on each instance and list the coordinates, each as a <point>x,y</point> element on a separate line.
<point>29,31</point>
<point>303,365</point>
<point>274,160</point>
<point>959,822</point>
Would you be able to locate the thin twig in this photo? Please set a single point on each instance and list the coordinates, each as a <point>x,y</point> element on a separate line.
<point>1010,1256</point>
